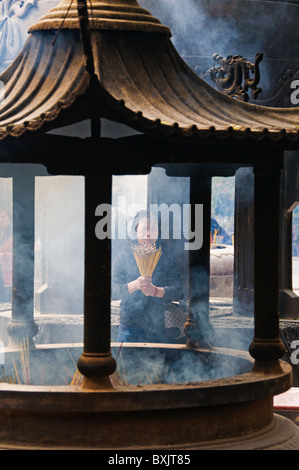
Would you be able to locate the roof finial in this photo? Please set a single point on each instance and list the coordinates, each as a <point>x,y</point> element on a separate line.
<point>107,14</point>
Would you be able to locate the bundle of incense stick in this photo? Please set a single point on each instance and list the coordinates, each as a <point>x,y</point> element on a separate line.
<point>146,256</point>
<point>25,360</point>
<point>77,379</point>
<point>10,379</point>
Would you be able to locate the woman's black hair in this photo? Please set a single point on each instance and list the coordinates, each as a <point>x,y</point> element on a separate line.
<point>143,214</point>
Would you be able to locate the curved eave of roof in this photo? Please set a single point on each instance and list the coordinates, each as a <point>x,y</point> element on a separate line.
<point>43,84</point>
<point>140,81</point>
<point>147,85</point>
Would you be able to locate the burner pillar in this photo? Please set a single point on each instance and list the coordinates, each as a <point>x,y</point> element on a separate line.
<point>96,362</point>
<point>266,346</point>
<point>22,325</point>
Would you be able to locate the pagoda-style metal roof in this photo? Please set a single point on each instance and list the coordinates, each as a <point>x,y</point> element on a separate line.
<point>138,79</point>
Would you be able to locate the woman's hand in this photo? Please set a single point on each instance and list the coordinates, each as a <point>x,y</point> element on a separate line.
<point>147,288</point>
<point>153,291</point>
<point>139,284</point>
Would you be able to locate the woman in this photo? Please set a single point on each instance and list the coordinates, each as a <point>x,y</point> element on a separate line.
<point>143,300</point>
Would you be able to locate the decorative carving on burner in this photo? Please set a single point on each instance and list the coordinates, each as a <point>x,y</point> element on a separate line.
<point>289,87</point>
<point>10,34</point>
<point>282,88</point>
<point>235,75</point>
<point>16,16</point>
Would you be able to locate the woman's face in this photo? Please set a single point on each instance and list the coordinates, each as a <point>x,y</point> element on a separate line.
<point>147,231</point>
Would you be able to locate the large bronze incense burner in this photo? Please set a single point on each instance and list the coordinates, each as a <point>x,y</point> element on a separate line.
<point>111,59</point>
<point>206,411</point>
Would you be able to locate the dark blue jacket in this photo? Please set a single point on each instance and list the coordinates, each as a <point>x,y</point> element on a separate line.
<point>137,309</point>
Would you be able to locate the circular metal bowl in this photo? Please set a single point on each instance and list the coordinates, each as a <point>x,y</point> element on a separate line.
<point>173,413</point>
